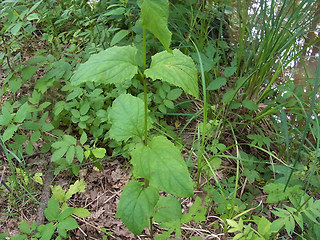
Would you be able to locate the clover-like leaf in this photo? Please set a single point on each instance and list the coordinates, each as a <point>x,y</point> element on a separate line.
<point>162,164</point>
<point>136,206</point>
<point>154,15</point>
<point>176,69</point>
<point>113,65</point>
<point>127,118</point>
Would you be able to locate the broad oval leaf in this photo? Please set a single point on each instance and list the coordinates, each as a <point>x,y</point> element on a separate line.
<point>154,15</point>
<point>136,206</point>
<point>162,164</point>
<point>127,118</point>
<point>113,65</point>
<point>176,69</point>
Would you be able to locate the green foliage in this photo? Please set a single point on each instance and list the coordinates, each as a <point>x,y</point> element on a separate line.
<point>176,69</point>
<point>58,215</point>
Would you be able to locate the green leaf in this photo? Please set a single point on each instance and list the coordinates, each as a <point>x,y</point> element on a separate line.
<point>79,153</point>
<point>197,212</point>
<point>176,69</point>
<point>15,84</point>
<point>84,108</point>
<point>4,235</point>
<point>168,103</point>
<point>119,36</point>
<point>217,83</point>
<point>65,213</point>
<point>70,154</point>
<point>47,231</point>
<point>114,65</point>
<point>68,224</point>
<point>229,71</point>
<point>136,206</point>
<point>21,113</point>
<point>174,94</point>
<point>8,133</point>
<point>58,193</point>
<point>127,118</point>
<point>35,136</point>
<point>99,152</point>
<point>59,153</point>
<point>251,105</point>
<point>78,187</point>
<point>154,15</point>
<point>24,227</point>
<point>52,210</point>
<point>28,72</point>
<point>83,138</point>
<point>19,237</point>
<point>167,209</point>
<point>162,164</point>
<point>81,212</point>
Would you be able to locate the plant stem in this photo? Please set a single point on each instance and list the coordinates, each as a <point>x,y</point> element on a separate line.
<point>144,59</point>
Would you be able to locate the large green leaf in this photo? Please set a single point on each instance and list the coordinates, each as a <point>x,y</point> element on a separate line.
<point>113,65</point>
<point>136,206</point>
<point>154,15</point>
<point>161,163</point>
<point>177,69</point>
<point>127,118</point>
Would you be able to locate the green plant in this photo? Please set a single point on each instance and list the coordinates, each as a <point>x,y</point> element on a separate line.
<point>155,159</point>
<point>59,215</point>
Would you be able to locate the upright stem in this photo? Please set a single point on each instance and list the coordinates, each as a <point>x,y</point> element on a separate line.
<point>144,59</point>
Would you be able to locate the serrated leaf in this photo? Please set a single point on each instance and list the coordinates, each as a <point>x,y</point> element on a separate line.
<point>136,206</point>
<point>24,227</point>
<point>176,69</point>
<point>197,212</point>
<point>154,15</point>
<point>52,210</point>
<point>119,36</point>
<point>99,152</point>
<point>217,83</point>
<point>127,118</point>
<point>81,212</point>
<point>162,164</point>
<point>21,113</point>
<point>249,104</point>
<point>8,133</point>
<point>114,65</point>
<point>37,177</point>
<point>58,193</point>
<point>78,187</point>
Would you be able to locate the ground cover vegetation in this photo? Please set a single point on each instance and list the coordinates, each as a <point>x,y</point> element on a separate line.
<point>157,119</point>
